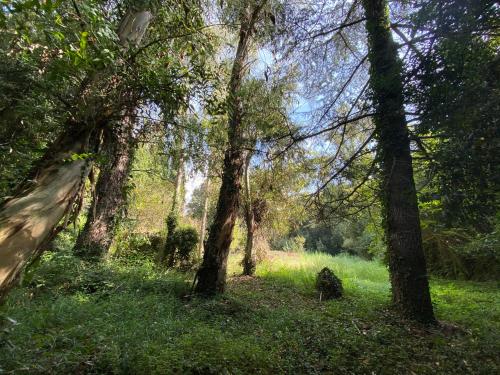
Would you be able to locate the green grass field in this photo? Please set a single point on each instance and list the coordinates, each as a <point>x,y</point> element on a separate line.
<point>129,317</point>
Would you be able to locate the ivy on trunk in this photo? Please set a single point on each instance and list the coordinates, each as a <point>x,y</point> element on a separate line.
<point>410,287</point>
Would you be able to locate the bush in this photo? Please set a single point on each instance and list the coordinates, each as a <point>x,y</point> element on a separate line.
<point>456,253</point>
<point>185,240</point>
<point>328,284</point>
<point>170,246</point>
<point>127,243</point>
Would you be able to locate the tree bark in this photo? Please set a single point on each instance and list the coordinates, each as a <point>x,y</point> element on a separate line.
<point>177,201</point>
<point>248,259</point>
<point>410,287</point>
<point>110,195</point>
<point>29,219</point>
<point>204,215</point>
<point>211,277</point>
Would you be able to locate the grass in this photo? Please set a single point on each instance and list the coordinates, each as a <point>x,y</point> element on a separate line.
<point>129,317</point>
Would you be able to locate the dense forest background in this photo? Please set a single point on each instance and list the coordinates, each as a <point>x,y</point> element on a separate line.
<point>170,145</point>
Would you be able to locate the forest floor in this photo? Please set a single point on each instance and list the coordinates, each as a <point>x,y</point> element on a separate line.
<point>129,317</point>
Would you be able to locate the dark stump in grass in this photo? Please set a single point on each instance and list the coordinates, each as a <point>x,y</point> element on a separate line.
<point>328,285</point>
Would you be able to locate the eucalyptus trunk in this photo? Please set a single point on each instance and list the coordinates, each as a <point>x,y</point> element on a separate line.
<point>29,220</point>
<point>248,259</point>
<point>410,287</point>
<point>204,216</point>
<point>177,202</point>
<point>211,277</point>
<point>110,195</point>
<point>178,199</point>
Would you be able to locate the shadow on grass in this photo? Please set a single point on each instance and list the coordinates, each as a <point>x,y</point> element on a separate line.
<point>129,316</point>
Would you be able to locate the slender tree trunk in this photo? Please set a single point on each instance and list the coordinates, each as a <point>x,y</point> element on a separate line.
<point>248,259</point>
<point>110,195</point>
<point>178,199</point>
<point>410,288</point>
<point>211,277</point>
<point>204,215</point>
<point>177,202</point>
<point>29,219</point>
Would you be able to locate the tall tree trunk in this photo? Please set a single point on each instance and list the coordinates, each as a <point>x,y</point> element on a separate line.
<point>410,287</point>
<point>248,259</point>
<point>29,219</point>
<point>178,198</point>
<point>211,277</point>
<point>204,215</point>
<point>177,202</point>
<point>110,195</point>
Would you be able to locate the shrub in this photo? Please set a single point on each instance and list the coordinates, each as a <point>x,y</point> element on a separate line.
<point>456,253</point>
<point>328,284</point>
<point>127,244</point>
<point>170,246</point>
<point>185,239</point>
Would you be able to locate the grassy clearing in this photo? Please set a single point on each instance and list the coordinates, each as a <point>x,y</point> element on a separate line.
<point>128,317</point>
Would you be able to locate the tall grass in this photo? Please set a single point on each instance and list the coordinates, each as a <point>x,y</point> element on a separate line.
<point>300,269</point>
<point>129,316</point>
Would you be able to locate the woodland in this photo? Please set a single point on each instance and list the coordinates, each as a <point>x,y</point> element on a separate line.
<point>249,187</point>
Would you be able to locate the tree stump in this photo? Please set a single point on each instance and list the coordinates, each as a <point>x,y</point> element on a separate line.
<point>328,285</point>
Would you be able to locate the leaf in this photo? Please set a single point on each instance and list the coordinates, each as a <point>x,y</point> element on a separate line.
<point>83,41</point>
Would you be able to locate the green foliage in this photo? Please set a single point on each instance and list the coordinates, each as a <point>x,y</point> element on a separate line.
<point>181,242</point>
<point>151,190</point>
<point>127,316</point>
<point>62,60</point>
<point>455,253</point>
<point>294,244</point>
<point>170,251</point>
<point>458,252</point>
<point>172,222</point>
<point>131,244</point>
<point>186,238</point>
<point>455,86</point>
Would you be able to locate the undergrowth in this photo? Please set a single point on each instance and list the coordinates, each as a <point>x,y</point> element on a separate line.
<point>127,316</point>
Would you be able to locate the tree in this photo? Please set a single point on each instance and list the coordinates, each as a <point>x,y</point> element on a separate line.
<point>105,78</point>
<point>410,287</point>
<point>29,219</point>
<point>454,88</point>
<point>110,196</point>
<point>248,259</point>
<point>211,277</point>
<point>254,210</point>
<point>177,199</point>
<point>204,214</point>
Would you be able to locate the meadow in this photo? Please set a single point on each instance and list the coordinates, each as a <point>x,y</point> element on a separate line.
<point>127,316</point>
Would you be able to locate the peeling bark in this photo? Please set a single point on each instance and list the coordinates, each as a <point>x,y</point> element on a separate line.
<point>410,287</point>
<point>133,27</point>
<point>29,219</point>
